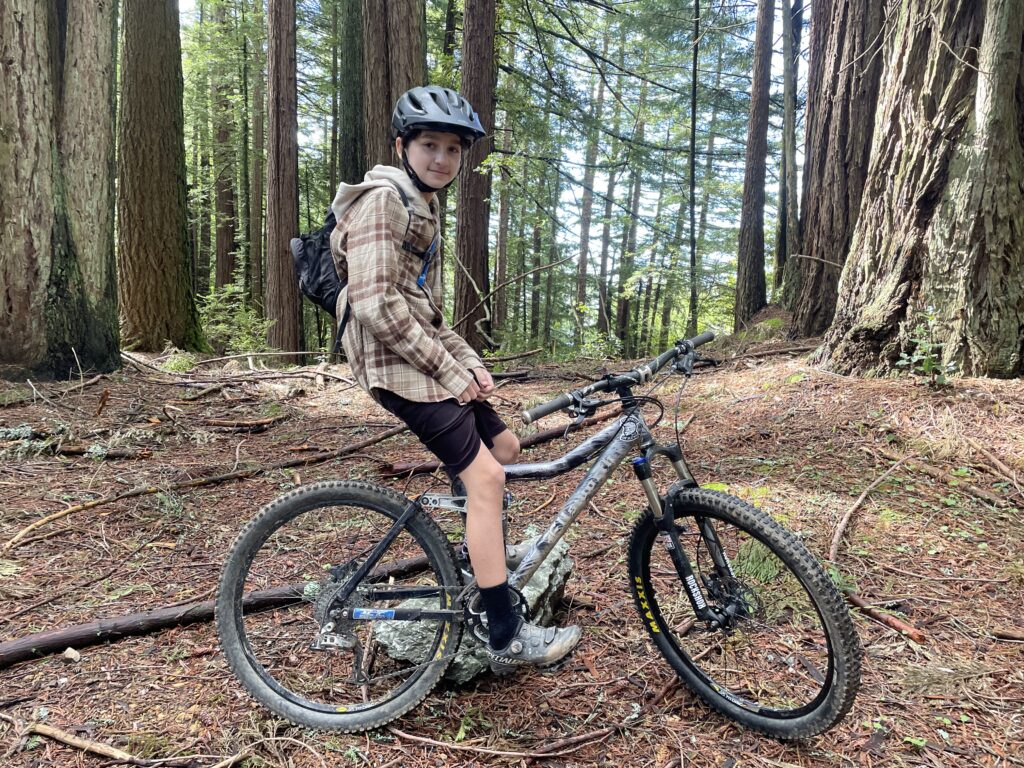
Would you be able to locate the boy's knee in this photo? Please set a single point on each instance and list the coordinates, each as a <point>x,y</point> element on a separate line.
<point>506,448</point>
<point>485,473</point>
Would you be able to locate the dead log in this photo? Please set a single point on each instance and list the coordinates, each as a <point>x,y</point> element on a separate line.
<point>544,436</point>
<point>146,622</point>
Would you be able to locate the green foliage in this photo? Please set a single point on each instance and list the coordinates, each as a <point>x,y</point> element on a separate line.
<point>231,325</point>
<point>925,354</point>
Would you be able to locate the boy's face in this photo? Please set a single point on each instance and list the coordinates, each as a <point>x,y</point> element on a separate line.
<point>435,156</point>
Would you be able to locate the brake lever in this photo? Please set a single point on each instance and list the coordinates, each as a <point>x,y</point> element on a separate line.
<point>684,364</point>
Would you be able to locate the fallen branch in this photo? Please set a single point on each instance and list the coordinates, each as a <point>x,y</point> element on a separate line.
<point>948,479</point>
<point>770,352</point>
<point>506,358</point>
<point>240,474</point>
<point>1000,467</point>
<point>405,467</point>
<point>71,740</point>
<point>255,425</point>
<point>888,620</point>
<point>833,551</point>
<point>146,622</point>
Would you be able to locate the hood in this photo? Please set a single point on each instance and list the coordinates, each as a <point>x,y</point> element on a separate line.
<point>379,176</point>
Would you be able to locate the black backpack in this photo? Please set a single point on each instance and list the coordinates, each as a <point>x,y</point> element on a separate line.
<point>318,277</point>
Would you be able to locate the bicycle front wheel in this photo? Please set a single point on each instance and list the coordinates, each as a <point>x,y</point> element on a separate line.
<point>787,660</point>
<point>307,651</point>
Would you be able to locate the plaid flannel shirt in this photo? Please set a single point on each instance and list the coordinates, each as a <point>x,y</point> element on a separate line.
<point>396,337</point>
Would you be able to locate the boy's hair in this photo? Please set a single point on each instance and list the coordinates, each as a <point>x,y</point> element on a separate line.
<point>414,133</point>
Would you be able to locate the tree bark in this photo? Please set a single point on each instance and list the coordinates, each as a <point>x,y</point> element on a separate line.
<point>352,155</point>
<point>500,320</point>
<point>56,175</point>
<point>789,227</point>
<point>282,178</point>
<point>394,60</point>
<point>223,163</point>
<point>154,262</point>
<point>842,91</point>
<point>750,281</point>
<point>256,181</point>
<point>472,274</point>
<point>938,252</point>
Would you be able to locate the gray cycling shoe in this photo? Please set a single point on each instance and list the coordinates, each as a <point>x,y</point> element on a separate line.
<point>542,647</point>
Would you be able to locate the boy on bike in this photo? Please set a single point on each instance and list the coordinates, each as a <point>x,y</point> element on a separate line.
<point>413,364</point>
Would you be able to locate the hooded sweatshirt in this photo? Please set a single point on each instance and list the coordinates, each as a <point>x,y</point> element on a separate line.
<point>396,338</point>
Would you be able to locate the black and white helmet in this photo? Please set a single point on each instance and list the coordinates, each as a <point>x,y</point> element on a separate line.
<point>431,107</point>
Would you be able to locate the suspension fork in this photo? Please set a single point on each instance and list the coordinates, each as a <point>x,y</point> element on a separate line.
<point>664,520</point>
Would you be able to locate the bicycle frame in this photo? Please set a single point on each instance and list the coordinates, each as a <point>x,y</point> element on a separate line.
<point>611,445</point>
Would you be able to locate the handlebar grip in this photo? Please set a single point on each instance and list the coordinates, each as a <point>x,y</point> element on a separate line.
<point>539,411</point>
<point>704,338</point>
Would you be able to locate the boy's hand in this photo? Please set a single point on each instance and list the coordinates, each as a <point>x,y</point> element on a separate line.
<point>470,393</point>
<point>485,382</point>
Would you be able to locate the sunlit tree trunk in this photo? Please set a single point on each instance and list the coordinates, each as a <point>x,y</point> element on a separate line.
<point>940,235</point>
<point>154,261</point>
<point>842,91</point>
<point>282,303</point>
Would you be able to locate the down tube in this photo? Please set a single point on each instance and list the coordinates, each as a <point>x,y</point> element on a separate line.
<point>602,468</point>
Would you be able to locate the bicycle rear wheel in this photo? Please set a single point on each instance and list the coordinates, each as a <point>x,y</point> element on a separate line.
<point>788,661</point>
<point>284,580</point>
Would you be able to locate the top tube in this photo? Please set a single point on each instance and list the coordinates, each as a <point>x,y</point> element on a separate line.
<point>574,458</point>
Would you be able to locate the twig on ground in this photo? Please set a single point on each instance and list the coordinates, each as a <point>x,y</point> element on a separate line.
<point>888,620</point>
<point>945,477</point>
<point>65,391</point>
<point>770,352</point>
<point>833,551</point>
<point>72,741</point>
<point>1000,467</point>
<point>485,751</point>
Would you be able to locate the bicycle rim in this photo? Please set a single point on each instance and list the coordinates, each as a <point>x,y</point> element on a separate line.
<point>776,659</point>
<point>302,553</point>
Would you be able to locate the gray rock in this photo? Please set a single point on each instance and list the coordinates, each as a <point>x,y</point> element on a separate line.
<point>410,640</point>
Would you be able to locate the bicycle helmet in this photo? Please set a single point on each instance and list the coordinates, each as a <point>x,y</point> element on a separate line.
<point>431,107</point>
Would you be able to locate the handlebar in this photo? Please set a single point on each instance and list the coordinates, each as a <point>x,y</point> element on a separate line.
<point>637,375</point>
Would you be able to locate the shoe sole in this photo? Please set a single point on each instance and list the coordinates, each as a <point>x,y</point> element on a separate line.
<point>504,670</point>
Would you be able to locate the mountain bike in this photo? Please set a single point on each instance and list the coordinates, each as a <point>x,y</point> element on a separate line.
<point>736,604</point>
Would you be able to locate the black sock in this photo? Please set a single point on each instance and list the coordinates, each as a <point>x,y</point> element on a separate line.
<point>502,621</point>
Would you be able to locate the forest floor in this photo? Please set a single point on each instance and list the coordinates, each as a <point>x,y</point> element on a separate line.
<point>938,543</point>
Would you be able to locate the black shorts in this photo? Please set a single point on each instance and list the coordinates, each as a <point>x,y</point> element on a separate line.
<point>451,431</point>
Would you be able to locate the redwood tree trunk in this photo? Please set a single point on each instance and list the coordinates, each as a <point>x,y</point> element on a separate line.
<point>750,283</point>
<point>223,165</point>
<point>154,261</point>
<point>394,60</point>
<point>352,160</point>
<point>256,182</point>
<point>842,93</point>
<point>941,224</point>
<point>57,277</point>
<point>472,274</point>
<point>282,177</point>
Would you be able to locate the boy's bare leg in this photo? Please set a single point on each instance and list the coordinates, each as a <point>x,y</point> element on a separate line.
<point>485,487</point>
<point>506,447</point>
